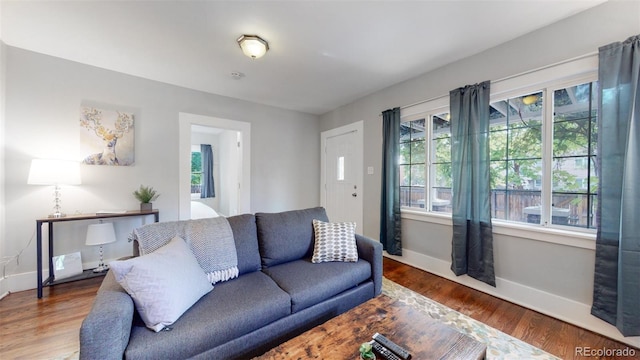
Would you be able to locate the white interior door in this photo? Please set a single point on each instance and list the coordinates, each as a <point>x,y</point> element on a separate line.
<point>342,174</point>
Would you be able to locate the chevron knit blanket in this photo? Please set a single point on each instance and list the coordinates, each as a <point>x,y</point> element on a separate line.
<point>211,241</point>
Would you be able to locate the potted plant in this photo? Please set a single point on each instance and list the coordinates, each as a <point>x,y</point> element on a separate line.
<point>366,351</point>
<point>146,194</point>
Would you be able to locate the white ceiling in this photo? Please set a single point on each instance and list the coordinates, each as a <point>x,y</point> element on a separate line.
<point>323,54</point>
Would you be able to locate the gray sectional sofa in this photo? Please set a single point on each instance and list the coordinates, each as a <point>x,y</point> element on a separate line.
<point>279,294</point>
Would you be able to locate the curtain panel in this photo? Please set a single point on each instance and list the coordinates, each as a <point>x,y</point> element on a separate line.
<point>472,243</point>
<point>616,292</point>
<point>390,194</point>
<point>208,189</point>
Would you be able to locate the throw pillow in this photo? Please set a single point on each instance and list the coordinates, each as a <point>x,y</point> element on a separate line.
<point>334,242</point>
<point>163,284</point>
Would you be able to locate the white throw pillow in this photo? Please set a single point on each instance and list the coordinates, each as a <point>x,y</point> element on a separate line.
<point>334,242</point>
<point>163,284</point>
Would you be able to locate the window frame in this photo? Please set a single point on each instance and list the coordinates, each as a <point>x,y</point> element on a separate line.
<point>547,80</point>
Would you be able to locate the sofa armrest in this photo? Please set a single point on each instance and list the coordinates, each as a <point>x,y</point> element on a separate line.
<point>371,250</point>
<point>105,331</point>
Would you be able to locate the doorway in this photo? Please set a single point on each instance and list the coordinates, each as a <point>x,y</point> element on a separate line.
<point>341,173</point>
<point>234,187</point>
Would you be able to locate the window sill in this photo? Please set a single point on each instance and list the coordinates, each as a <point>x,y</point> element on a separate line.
<point>579,239</point>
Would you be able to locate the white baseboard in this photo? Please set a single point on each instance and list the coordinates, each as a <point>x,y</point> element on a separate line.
<point>28,280</point>
<point>567,310</point>
<point>4,290</point>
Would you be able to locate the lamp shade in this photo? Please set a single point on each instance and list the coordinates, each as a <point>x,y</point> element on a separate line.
<point>54,172</point>
<point>253,46</point>
<point>99,234</point>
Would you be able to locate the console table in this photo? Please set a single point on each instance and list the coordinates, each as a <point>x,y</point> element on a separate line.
<point>50,221</point>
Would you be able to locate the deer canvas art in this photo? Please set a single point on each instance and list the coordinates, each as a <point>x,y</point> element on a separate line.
<point>107,136</point>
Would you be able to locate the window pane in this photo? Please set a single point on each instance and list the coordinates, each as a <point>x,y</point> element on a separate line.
<point>442,175</point>
<point>498,204</point>
<point>417,175</point>
<point>405,153</point>
<point>442,149</point>
<point>417,197</point>
<point>525,141</point>
<point>571,137</point>
<point>574,209</point>
<point>418,154</point>
<point>405,175</point>
<point>417,130</point>
<point>405,132</point>
<point>524,174</point>
<point>498,174</point>
<point>570,174</point>
<point>405,196</point>
<point>498,143</point>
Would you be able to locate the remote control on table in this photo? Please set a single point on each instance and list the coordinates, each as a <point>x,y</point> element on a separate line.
<point>383,351</point>
<point>401,352</point>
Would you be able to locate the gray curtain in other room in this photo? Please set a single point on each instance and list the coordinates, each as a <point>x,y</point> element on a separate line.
<point>390,194</point>
<point>208,189</point>
<point>616,290</point>
<point>472,244</point>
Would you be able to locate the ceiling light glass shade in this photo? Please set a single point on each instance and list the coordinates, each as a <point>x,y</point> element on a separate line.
<point>54,172</point>
<point>99,234</point>
<point>253,46</point>
<point>528,100</point>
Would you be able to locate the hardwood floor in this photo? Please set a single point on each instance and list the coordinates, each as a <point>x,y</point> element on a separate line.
<point>47,328</point>
<point>554,336</point>
<point>32,328</point>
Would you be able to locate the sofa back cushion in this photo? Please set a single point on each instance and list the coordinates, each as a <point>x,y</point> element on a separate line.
<point>246,239</point>
<point>287,236</point>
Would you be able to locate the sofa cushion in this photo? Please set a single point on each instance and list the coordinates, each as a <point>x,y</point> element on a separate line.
<point>164,283</point>
<point>287,236</point>
<point>234,308</point>
<point>308,283</point>
<point>246,238</point>
<point>334,242</point>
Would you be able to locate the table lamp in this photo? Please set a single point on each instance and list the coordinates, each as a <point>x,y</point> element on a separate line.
<point>100,234</point>
<point>54,172</point>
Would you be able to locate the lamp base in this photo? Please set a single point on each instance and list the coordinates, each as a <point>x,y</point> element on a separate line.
<point>101,268</point>
<point>56,215</point>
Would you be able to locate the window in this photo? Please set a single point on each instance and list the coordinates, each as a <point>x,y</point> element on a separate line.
<point>412,163</point>
<point>416,173</point>
<point>542,150</point>
<point>575,173</point>
<point>515,145</point>
<point>196,172</point>
<point>440,166</point>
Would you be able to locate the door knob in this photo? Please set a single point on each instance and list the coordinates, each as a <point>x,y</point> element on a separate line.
<point>354,194</point>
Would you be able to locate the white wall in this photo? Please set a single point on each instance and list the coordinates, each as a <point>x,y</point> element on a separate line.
<point>229,177</point>
<point>43,95</point>
<point>3,253</point>
<point>554,279</point>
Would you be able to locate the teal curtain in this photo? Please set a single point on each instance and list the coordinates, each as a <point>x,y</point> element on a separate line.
<point>472,243</point>
<point>616,290</point>
<point>208,189</point>
<point>390,195</point>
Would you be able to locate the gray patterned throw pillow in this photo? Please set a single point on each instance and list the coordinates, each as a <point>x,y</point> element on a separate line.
<point>334,242</point>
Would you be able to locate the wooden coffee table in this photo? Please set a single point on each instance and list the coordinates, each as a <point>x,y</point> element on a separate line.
<point>340,337</point>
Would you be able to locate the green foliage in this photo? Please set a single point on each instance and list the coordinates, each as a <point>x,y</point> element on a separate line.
<point>145,194</point>
<point>366,351</point>
<point>196,168</point>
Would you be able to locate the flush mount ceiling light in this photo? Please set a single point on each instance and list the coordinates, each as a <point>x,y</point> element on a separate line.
<point>253,46</point>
